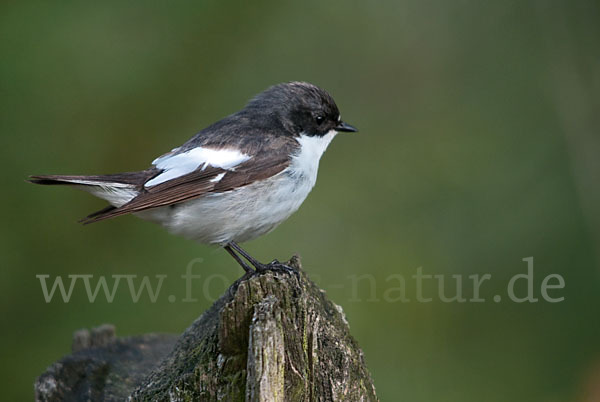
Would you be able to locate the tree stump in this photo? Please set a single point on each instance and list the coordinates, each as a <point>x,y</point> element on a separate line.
<point>272,336</point>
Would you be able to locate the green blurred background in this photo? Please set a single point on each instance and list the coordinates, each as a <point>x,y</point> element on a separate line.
<point>478,147</point>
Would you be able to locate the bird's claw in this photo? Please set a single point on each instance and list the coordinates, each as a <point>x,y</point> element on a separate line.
<point>277,266</point>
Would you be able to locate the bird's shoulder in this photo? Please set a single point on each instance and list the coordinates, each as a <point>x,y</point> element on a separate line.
<point>247,134</point>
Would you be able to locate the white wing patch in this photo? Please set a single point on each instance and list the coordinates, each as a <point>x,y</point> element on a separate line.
<point>165,156</point>
<point>217,178</point>
<point>181,164</point>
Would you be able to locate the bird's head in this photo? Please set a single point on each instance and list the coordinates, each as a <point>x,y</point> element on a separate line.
<point>302,108</point>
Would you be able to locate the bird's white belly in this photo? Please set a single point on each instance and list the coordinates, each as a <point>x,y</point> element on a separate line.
<point>238,215</point>
<point>247,212</point>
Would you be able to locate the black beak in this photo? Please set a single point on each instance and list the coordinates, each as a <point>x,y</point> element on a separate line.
<point>346,127</point>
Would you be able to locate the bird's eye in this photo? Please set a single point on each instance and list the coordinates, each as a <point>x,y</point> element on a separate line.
<point>319,119</point>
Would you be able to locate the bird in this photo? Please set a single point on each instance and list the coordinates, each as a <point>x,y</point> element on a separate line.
<point>235,180</point>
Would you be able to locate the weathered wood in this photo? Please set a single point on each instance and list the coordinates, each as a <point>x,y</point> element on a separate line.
<point>102,367</point>
<point>272,336</point>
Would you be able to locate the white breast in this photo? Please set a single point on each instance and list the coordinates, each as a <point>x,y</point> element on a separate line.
<point>306,162</point>
<point>250,211</point>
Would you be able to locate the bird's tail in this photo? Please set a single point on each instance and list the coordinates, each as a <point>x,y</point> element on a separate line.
<point>128,178</point>
<point>117,189</point>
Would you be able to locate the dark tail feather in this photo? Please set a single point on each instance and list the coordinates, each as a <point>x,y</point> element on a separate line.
<point>53,179</point>
<point>96,216</point>
<point>133,178</point>
<point>73,180</point>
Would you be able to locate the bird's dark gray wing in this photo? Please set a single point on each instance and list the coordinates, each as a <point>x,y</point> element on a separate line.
<point>204,181</point>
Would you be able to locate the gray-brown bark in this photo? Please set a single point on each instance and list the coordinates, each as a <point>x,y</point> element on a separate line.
<point>102,367</point>
<point>271,337</point>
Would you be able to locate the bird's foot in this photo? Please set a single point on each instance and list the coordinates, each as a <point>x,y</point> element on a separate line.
<point>277,266</point>
<point>274,265</point>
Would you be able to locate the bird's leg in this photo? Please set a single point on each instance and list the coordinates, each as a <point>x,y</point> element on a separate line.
<point>236,257</point>
<point>260,267</point>
<point>257,264</point>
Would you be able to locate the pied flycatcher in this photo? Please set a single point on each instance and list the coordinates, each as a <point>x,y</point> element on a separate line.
<point>237,179</point>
